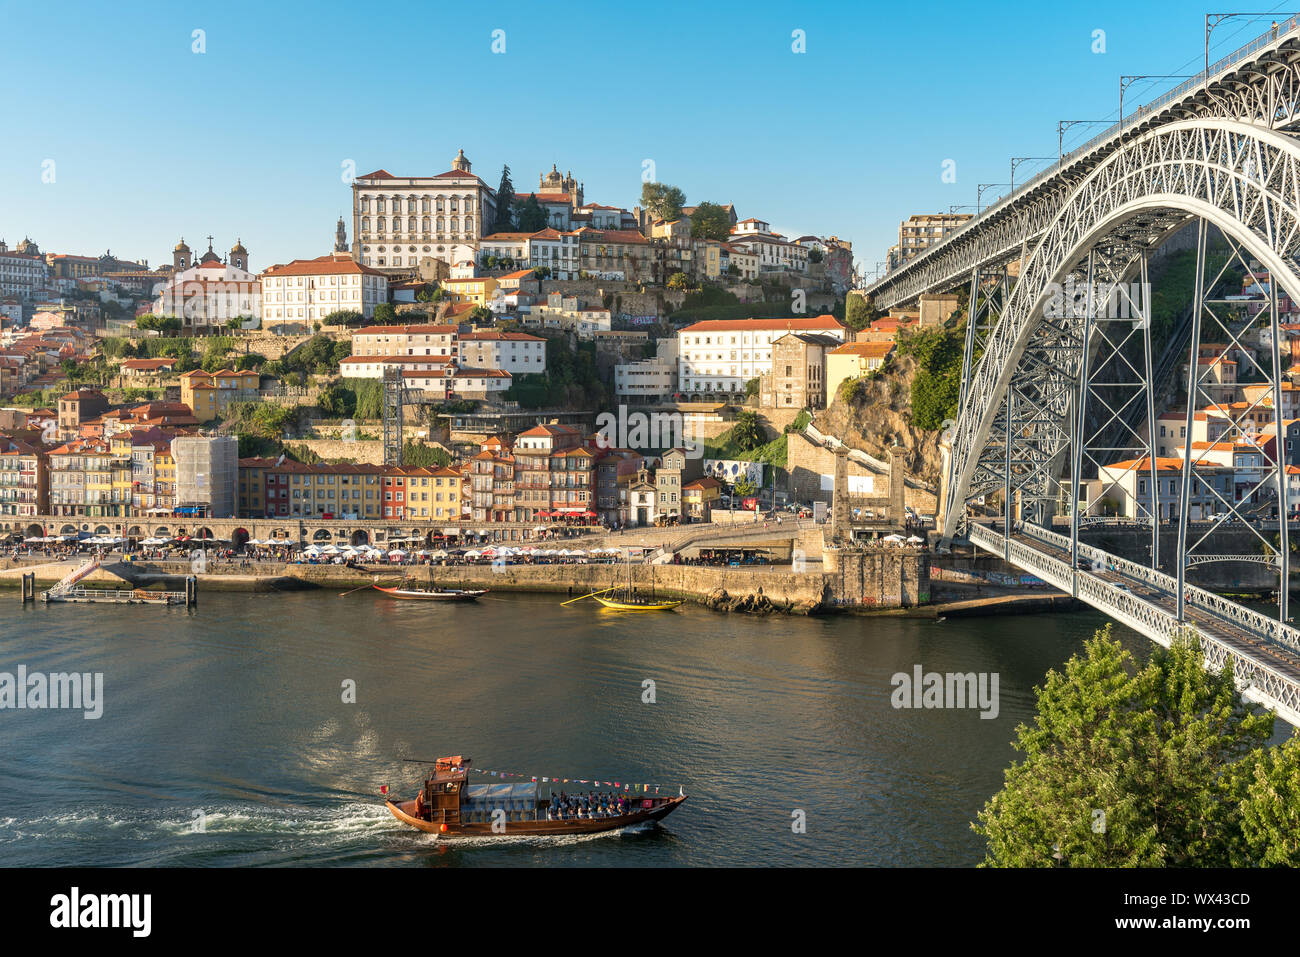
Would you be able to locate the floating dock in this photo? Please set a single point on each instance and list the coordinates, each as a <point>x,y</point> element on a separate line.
<point>69,590</point>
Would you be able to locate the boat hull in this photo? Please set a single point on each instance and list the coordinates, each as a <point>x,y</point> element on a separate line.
<point>404,811</point>
<point>413,594</point>
<point>616,605</point>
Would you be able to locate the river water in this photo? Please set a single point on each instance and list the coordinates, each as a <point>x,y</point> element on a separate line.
<point>225,739</point>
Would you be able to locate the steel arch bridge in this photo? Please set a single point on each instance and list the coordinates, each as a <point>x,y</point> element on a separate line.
<point>1060,398</point>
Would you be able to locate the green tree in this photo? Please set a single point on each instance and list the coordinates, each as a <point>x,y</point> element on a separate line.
<point>479,314</point>
<point>343,317</point>
<point>419,455</point>
<point>663,201</point>
<point>505,203</point>
<point>936,386</point>
<point>530,215</point>
<point>743,487</point>
<point>1146,752</point>
<point>541,272</point>
<point>1269,782</point>
<point>751,388</point>
<point>747,433</point>
<point>815,256</point>
<point>385,315</point>
<point>859,311</point>
<point>679,280</point>
<point>337,401</point>
<point>710,221</point>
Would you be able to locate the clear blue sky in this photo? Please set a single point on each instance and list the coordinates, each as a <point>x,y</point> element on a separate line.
<point>151,141</point>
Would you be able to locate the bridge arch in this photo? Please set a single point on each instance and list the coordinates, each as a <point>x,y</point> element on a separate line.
<point>1243,179</point>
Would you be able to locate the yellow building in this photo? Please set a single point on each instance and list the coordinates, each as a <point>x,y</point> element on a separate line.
<point>120,458</point>
<point>709,258</point>
<point>699,497</point>
<point>477,290</point>
<point>427,494</point>
<point>207,393</point>
<point>851,361</point>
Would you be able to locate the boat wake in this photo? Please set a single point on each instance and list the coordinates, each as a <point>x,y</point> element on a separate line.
<point>88,824</point>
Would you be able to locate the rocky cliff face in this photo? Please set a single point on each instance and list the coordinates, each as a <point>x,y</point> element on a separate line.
<point>879,412</point>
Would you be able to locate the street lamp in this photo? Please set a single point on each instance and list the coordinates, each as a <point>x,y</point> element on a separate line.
<point>1017,160</point>
<point>1126,81</point>
<point>1212,20</point>
<point>979,194</point>
<point>1061,127</point>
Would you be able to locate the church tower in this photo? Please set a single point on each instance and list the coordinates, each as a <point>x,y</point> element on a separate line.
<point>460,162</point>
<point>239,255</point>
<point>181,257</point>
<point>341,237</point>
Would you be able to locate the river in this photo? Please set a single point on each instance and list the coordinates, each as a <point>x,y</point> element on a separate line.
<point>225,739</point>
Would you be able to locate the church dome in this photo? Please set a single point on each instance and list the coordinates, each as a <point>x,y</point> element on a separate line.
<point>181,246</point>
<point>238,249</point>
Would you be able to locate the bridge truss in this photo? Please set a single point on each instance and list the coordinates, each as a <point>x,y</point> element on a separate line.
<point>1059,397</point>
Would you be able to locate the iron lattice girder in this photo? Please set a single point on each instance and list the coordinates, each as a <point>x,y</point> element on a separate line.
<point>1187,168</point>
<point>1262,90</point>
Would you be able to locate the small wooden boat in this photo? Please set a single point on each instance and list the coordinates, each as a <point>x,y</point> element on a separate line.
<point>432,594</point>
<point>450,806</point>
<point>621,601</point>
<point>627,597</point>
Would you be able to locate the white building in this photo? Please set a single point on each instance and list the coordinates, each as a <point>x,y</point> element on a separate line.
<point>452,381</point>
<point>722,355</point>
<point>513,246</point>
<point>307,290</point>
<point>774,252</point>
<point>1125,489</point>
<point>399,220</point>
<point>209,293</point>
<point>412,340</point>
<point>372,367</point>
<point>650,379</point>
<point>515,352</point>
<point>558,251</point>
<point>21,273</point>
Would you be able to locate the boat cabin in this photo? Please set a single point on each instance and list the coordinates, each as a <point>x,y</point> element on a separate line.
<point>449,798</point>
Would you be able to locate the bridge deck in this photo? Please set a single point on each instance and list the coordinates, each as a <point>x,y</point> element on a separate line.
<point>1265,654</point>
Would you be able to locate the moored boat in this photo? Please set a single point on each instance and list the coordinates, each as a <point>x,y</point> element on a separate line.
<point>448,805</point>
<point>432,593</point>
<point>621,601</point>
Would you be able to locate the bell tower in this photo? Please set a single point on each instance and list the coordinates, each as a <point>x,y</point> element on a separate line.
<point>181,257</point>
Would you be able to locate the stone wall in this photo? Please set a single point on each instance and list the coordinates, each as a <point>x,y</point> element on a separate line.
<point>269,344</point>
<point>877,577</point>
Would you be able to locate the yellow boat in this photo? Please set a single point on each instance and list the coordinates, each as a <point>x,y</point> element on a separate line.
<point>636,604</point>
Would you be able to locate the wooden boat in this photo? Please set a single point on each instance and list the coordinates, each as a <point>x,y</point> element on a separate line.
<point>432,594</point>
<point>448,805</point>
<point>626,597</point>
<point>621,601</point>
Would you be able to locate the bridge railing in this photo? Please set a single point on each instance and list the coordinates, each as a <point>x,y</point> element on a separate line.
<point>1138,115</point>
<point>1257,680</point>
<point>1248,619</point>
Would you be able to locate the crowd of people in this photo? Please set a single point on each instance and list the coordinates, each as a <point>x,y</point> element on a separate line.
<point>590,806</point>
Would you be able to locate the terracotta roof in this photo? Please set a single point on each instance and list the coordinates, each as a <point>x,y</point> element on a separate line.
<point>413,329</point>
<point>322,265</point>
<point>790,323</point>
<point>868,350</point>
